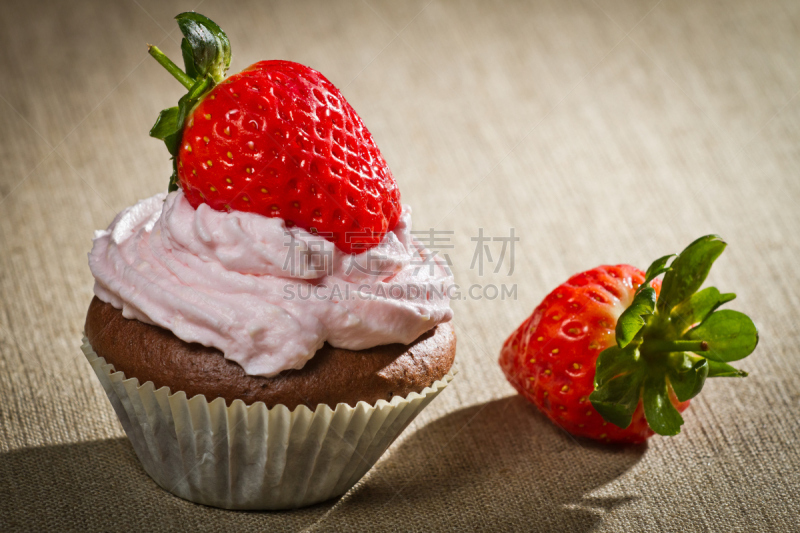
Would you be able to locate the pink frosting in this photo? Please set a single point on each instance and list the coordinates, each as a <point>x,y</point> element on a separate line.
<point>268,297</point>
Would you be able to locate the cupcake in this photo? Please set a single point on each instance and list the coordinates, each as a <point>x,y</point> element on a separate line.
<point>266,328</point>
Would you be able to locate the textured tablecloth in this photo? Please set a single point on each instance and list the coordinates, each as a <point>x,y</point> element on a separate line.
<point>601,131</point>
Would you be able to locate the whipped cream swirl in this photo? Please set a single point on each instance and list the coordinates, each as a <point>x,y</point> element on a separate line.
<point>265,295</point>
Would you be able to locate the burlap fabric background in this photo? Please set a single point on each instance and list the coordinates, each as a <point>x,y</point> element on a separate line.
<point>602,131</point>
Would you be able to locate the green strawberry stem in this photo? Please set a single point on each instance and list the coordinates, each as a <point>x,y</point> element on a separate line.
<point>171,67</point>
<point>669,345</point>
<point>206,54</point>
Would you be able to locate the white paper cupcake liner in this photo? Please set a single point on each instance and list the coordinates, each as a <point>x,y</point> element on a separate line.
<point>251,457</point>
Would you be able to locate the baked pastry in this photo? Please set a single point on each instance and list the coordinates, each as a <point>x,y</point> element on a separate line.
<point>331,377</point>
<point>266,329</point>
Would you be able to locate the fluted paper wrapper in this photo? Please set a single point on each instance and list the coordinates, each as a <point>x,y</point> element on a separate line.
<point>251,457</point>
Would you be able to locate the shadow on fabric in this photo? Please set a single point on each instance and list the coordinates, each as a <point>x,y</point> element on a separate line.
<point>101,486</point>
<point>498,466</point>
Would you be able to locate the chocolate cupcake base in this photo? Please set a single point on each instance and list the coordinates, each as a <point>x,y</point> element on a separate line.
<point>332,376</point>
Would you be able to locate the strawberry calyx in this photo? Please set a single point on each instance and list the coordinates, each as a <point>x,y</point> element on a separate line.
<point>206,54</point>
<point>667,345</point>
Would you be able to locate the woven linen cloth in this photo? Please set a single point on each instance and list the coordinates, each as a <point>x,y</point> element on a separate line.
<point>600,131</point>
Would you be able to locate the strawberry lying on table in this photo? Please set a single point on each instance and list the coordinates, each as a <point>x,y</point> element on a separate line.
<point>614,354</point>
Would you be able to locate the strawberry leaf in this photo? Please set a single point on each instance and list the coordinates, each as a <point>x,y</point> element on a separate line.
<point>617,400</point>
<point>169,124</point>
<point>724,370</point>
<point>688,383</point>
<point>174,183</point>
<point>188,100</point>
<point>614,362</point>
<point>618,382</point>
<point>188,59</point>
<point>658,267</point>
<point>633,318</point>
<point>166,123</point>
<point>730,335</point>
<point>661,415</point>
<point>210,47</point>
<point>688,271</point>
<point>701,304</point>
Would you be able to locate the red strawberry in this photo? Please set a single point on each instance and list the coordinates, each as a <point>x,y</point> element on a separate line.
<point>280,140</point>
<point>613,356</point>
